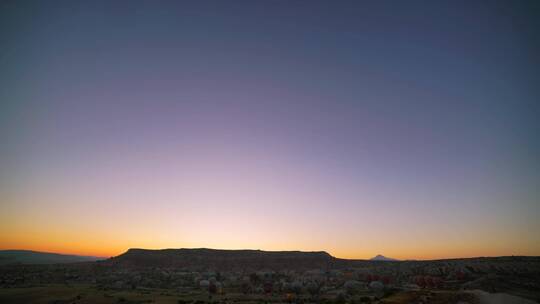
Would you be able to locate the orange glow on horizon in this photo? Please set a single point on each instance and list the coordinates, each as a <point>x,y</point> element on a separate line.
<point>106,252</point>
<point>40,231</point>
<point>357,129</point>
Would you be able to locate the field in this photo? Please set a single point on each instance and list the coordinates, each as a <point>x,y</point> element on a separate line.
<point>87,294</point>
<point>444,297</point>
<point>82,294</point>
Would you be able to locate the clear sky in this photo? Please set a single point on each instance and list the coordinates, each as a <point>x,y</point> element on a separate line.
<point>407,128</point>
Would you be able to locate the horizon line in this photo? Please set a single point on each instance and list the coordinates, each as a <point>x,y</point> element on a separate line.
<point>244,249</point>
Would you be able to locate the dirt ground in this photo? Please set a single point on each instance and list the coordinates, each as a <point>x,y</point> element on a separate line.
<point>427,297</point>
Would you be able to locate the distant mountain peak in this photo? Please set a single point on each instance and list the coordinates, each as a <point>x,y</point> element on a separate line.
<point>380,257</point>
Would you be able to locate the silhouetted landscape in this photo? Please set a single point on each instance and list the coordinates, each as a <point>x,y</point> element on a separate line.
<point>253,276</point>
<point>270,151</point>
<point>34,257</point>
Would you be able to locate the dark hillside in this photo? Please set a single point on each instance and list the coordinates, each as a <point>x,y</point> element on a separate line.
<point>223,259</point>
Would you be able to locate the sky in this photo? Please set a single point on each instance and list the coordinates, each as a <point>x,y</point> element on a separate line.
<point>404,128</point>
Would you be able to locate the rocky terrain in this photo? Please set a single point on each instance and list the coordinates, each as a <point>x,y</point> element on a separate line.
<point>288,276</point>
<point>223,260</point>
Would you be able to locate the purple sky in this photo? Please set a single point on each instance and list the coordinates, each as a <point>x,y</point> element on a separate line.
<point>404,128</point>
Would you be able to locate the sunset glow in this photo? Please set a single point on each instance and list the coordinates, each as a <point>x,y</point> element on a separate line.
<point>255,125</point>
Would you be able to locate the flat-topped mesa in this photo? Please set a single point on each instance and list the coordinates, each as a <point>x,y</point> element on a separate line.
<point>220,259</point>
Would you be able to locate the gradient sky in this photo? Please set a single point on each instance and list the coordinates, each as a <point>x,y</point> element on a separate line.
<point>407,128</point>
